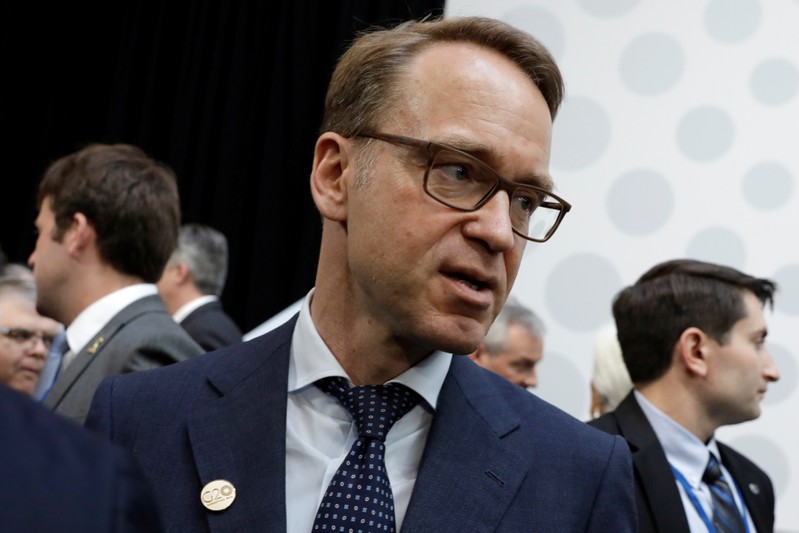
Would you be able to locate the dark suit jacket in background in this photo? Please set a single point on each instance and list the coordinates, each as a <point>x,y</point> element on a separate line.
<point>660,507</point>
<point>141,336</point>
<point>497,458</point>
<point>211,327</point>
<point>57,476</point>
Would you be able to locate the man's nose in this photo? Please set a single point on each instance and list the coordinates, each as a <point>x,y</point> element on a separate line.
<point>770,370</point>
<point>491,224</point>
<point>530,379</point>
<point>38,348</point>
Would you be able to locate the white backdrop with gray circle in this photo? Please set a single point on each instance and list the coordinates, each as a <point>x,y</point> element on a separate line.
<point>679,137</point>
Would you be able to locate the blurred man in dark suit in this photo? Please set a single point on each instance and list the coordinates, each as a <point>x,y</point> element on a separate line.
<point>192,283</point>
<point>60,477</point>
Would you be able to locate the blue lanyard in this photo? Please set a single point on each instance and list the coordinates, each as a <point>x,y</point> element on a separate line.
<point>698,506</point>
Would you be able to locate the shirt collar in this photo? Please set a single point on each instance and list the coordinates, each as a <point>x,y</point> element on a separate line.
<point>312,360</point>
<point>683,449</point>
<point>187,308</point>
<point>92,319</point>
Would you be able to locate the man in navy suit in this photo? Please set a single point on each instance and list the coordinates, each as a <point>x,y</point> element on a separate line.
<point>192,283</point>
<point>60,477</point>
<point>692,337</point>
<point>431,175</point>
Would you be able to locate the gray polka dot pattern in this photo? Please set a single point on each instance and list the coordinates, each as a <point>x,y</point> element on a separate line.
<point>546,27</point>
<point>718,245</point>
<point>608,8</point>
<point>768,185</point>
<point>640,202</point>
<point>732,21</point>
<point>580,289</point>
<point>359,497</point>
<point>651,64</point>
<point>705,133</point>
<point>705,96</point>
<point>775,81</point>
<point>582,133</point>
<point>787,300</point>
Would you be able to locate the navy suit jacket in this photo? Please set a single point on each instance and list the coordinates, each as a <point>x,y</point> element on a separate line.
<point>211,327</point>
<point>497,458</point>
<point>660,508</point>
<point>57,476</point>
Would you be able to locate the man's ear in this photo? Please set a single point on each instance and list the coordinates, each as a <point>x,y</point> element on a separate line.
<point>181,272</point>
<point>332,166</point>
<point>693,348</point>
<point>478,354</point>
<point>80,235</point>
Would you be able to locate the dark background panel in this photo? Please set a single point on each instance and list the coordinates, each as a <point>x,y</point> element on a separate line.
<point>228,94</point>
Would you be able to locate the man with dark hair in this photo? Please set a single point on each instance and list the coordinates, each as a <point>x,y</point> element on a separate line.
<point>514,345</point>
<point>692,336</point>
<point>431,175</point>
<point>108,221</point>
<point>192,283</point>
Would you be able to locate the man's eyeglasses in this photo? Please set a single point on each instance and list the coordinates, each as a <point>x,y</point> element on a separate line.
<point>463,182</point>
<point>27,338</point>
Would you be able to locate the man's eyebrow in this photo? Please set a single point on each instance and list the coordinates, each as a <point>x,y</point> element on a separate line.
<point>489,157</point>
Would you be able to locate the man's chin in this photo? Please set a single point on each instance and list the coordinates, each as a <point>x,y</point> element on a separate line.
<point>462,345</point>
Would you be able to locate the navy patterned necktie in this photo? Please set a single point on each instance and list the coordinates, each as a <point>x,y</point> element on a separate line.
<point>726,517</point>
<point>359,497</point>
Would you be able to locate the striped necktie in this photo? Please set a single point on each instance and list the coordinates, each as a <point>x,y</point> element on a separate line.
<point>726,516</point>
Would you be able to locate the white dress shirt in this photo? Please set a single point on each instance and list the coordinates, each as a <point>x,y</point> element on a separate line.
<point>689,455</point>
<point>91,320</point>
<point>320,431</point>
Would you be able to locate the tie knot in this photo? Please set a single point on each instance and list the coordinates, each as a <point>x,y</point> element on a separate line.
<point>712,471</point>
<point>374,408</point>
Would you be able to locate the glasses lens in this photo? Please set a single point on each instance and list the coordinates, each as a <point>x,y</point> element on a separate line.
<point>19,335</point>
<point>534,213</point>
<point>458,180</point>
<point>28,337</point>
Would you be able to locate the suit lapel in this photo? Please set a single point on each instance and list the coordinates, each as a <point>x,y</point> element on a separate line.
<point>251,409</point>
<point>88,354</point>
<point>652,468</point>
<point>760,509</point>
<point>465,463</point>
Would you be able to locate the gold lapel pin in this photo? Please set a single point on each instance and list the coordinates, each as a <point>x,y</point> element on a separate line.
<point>218,495</point>
<point>95,345</point>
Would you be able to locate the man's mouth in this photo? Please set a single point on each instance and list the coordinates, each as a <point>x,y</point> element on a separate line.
<point>476,281</point>
<point>472,283</point>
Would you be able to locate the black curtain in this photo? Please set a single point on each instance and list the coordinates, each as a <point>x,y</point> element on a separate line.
<point>228,94</point>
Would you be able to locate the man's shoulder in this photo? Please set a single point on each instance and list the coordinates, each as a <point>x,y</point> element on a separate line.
<point>608,423</point>
<point>535,417</point>
<point>145,324</point>
<point>56,447</point>
<point>211,326</point>
<point>226,365</point>
<point>57,477</point>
